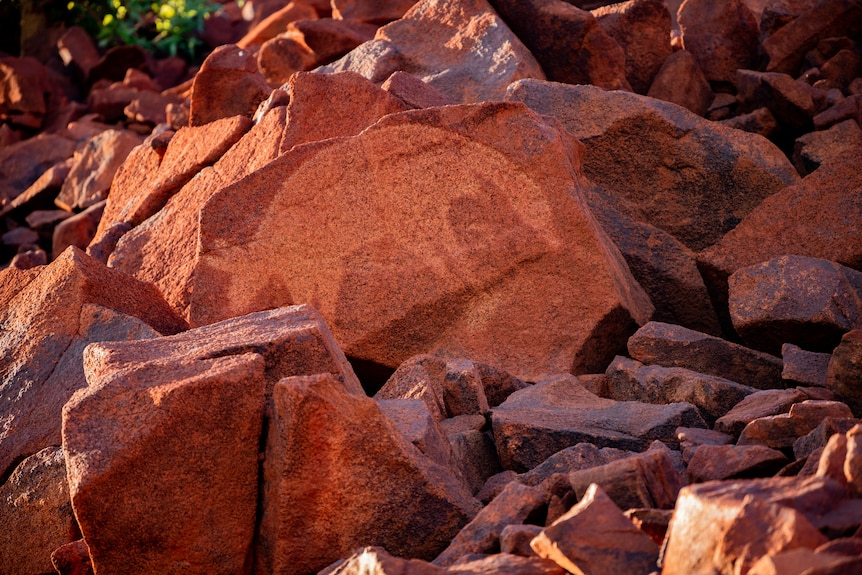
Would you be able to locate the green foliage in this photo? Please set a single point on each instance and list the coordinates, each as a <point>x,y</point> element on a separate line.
<point>165,27</point>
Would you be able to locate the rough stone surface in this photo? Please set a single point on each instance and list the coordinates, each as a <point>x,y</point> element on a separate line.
<point>138,441</point>
<point>567,41</point>
<point>59,309</point>
<point>95,164</point>
<point>670,183</point>
<point>642,29</point>
<point>844,373</point>
<point>414,92</point>
<point>22,163</point>
<point>681,81</point>
<point>675,346</point>
<point>815,148</point>
<point>646,480</point>
<point>595,537</point>
<point>535,423</point>
<point>461,48</point>
<point>378,488</point>
<point>452,287</point>
<point>630,380</point>
<point>370,10</point>
<point>801,367</point>
<point>711,462</point>
<point>805,301</point>
<point>77,230</point>
<point>514,505</point>
<point>36,513</point>
<point>722,36</point>
<point>790,101</point>
<point>505,564</point>
<point>759,404</point>
<point>571,459</point>
<point>781,431</point>
<point>228,84</point>
<point>727,526</point>
<point>376,561</point>
<point>73,559</point>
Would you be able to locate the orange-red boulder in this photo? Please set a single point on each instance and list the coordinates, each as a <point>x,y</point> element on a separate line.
<point>507,289</point>
<point>227,84</point>
<point>681,81</point>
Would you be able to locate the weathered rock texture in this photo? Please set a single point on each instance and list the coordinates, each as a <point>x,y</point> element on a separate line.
<point>696,180</point>
<point>456,282</point>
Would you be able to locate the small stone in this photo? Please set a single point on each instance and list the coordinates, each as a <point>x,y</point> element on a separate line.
<point>681,81</point>
<point>711,462</point>
<point>759,404</point>
<point>803,367</point>
<point>228,84</point>
<point>781,431</point>
<point>844,373</point>
<point>77,230</point>
<point>515,539</point>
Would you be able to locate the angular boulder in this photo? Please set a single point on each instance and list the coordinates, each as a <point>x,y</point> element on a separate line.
<point>696,180</point>
<point>681,81</point>
<point>763,403</point>
<point>844,372</point>
<point>461,48</point>
<point>675,346</point>
<point>458,276</point>
<point>711,462</point>
<point>567,41</point>
<point>539,421</point>
<point>59,309</point>
<point>339,475</point>
<point>148,443</point>
<point>809,302</point>
<point>227,84</point>
<point>36,515</point>
<point>595,537</point>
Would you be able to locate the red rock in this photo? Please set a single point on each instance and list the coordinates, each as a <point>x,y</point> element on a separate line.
<point>281,58</point>
<point>818,437</point>
<point>78,230</point>
<point>377,488</point>
<point>37,517</point>
<point>567,41</point>
<point>681,81</point>
<point>29,259</point>
<point>188,152</point>
<point>537,422</point>
<point>514,505</point>
<point>595,537</point>
<point>759,404</point>
<point>645,480</point>
<point>163,250</point>
<point>371,255</point>
<point>795,562</point>
<point>329,38</point>
<point>94,167</point>
<point>24,88</point>
<point>72,559</point>
<point>711,462</point>
<point>722,37</point>
<point>379,11</point>
<point>662,265</point>
<point>844,373</point>
<point>515,539</point>
<point>801,219</point>
<point>801,367</point>
<point>853,461</point>
<point>781,431</point>
<point>809,302</point>
<point>276,23</point>
<point>473,451</point>
<point>787,46</point>
<point>110,103</point>
<point>760,121</point>
<point>21,164</point>
<point>227,84</point>
<point>642,29</point>
<point>151,107</point>
<point>133,439</point>
<point>789,100</point>
<point>653,522</point>
<point>21,236</point>
<point>675,346</point>
<point>78,51</point>
<point>504,564</point>
<point>413,420</point>
<point>726,526</point>
<point>377,561</point>
<point>630,380</point>
<point>696,205</point>
<point>848,108</point>
<point>116,61</point>
<point>40,195</point>
<point>461,48</point>
<point>815,148</point>
<point>63,307</point>
<point>414,92</point>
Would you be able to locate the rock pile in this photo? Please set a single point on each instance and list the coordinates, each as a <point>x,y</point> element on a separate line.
<point>524,287</point>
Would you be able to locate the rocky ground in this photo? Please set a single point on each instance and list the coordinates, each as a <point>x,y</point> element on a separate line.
<point>527,287</point>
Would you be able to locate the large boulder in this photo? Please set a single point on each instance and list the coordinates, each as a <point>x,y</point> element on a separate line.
<point>696,180</point>
<point>338,475</point>
<point>494,268</point>
<point>162,250</point>
<point>460,47</point>
<point>52,313</point>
